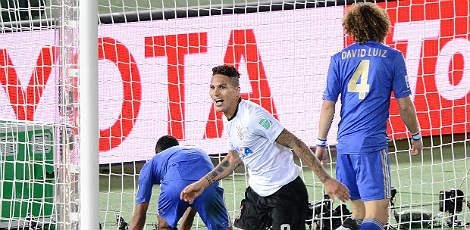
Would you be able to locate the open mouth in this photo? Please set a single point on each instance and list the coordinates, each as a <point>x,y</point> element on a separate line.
<point>218,102</point>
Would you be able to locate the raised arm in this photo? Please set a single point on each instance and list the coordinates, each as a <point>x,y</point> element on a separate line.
<point>223,169</point>
<point>332,186</point>
<point>408,116</point>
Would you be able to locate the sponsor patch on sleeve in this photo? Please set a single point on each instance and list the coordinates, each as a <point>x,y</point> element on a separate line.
<point>265,123</point>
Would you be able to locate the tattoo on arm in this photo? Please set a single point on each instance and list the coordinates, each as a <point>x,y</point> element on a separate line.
<point>222,170</point>
<point>303,152</point>
<point>211,177</point>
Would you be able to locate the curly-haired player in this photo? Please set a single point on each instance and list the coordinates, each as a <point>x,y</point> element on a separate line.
<point>365,74</point>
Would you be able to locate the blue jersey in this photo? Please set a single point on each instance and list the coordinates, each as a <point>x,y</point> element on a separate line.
<point>172,168</point>
<point>365,74</point>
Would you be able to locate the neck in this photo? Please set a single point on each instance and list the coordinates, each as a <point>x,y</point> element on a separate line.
<point>233,111</point>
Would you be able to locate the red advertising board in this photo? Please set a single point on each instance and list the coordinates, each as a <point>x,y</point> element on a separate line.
<point>154,75</point>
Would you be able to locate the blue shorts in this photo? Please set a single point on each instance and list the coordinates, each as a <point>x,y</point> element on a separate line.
<point>367,176</point>
<point>209,205</point>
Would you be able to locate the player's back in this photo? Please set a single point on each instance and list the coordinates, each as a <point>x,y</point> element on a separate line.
<point>181,163</point>
<point>365,75</point>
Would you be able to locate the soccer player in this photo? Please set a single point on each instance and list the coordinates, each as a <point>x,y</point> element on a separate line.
<point>174,167</point>
<point>365,73</point>
<point>276,195</point>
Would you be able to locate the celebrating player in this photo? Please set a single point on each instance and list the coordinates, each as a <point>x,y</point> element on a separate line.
<point>277,196</point>
<point>174,167</point>
<point>365,73</point>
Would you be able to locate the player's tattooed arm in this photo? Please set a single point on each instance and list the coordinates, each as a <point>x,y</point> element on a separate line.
<point>289,140</point>
<point>224,168</point>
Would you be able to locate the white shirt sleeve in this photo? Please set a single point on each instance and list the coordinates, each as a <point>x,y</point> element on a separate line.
<point>264,124</point>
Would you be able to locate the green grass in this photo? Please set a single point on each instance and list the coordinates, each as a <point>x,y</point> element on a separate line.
<point>417,179</point>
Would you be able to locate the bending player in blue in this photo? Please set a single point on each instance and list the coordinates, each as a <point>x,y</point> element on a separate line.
<point>174,167</point>
<point>365,74</point>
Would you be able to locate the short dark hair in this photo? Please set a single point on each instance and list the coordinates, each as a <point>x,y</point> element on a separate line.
<point>165,142</point>
<point>366,21</point>
<point>229,71</point>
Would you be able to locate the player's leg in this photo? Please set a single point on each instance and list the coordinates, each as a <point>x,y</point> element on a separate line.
<point>252,215</point>
<point>346,174</point>
<point>170,206</point>
<point>358,209</point>
<point>162,224</point>
<point>186,221</point>
<point>211,208</point>
<point>376,214</point>
<point>375,188</point>
<point>289,206</point>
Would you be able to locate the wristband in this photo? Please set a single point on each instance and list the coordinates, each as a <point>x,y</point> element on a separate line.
<point>417,136</point>
<point>321,142</point>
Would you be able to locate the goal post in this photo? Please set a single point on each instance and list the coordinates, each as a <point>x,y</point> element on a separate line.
<point>88,114</point>
<point>40,67</point>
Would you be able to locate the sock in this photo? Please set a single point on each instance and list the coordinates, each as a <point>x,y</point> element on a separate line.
<point>358,221</point>
<point>371,224</point>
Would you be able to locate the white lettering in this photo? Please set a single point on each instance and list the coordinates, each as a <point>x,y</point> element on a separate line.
<point>384,52</point>
<point>415,33</point>
<point>363,52</point>
<point>445,88</point>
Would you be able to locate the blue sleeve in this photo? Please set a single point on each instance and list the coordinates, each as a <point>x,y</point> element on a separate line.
<point>401,86</point>
<point>333,87</point>
<point>146,181</point>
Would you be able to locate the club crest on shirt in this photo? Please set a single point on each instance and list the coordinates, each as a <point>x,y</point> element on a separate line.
<point>407,81</point>
<point>240,132</point>
<point>265,123</point>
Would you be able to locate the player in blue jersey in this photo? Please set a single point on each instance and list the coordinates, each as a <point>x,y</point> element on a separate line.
<point>365,74</point>
<point>174,167</point>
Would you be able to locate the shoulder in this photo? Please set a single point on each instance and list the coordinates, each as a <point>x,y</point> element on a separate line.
<point>247,109</point>
<point>197,150</point>
<point>149,165</point>
<point>250,107</point>
<point>168,152</point>
<point>164,155</point>
<point>392,52</point>
<point>337,56</point>
<point>247,105</point>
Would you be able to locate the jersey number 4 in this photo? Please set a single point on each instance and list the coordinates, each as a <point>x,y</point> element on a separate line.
<point>361,74</point>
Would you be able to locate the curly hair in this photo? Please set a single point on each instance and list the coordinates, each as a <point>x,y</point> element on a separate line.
<point>366,21</point>
<point>229,71</point>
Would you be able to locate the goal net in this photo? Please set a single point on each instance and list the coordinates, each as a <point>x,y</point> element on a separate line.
<point>38,115</point>
<point>155,60</point>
